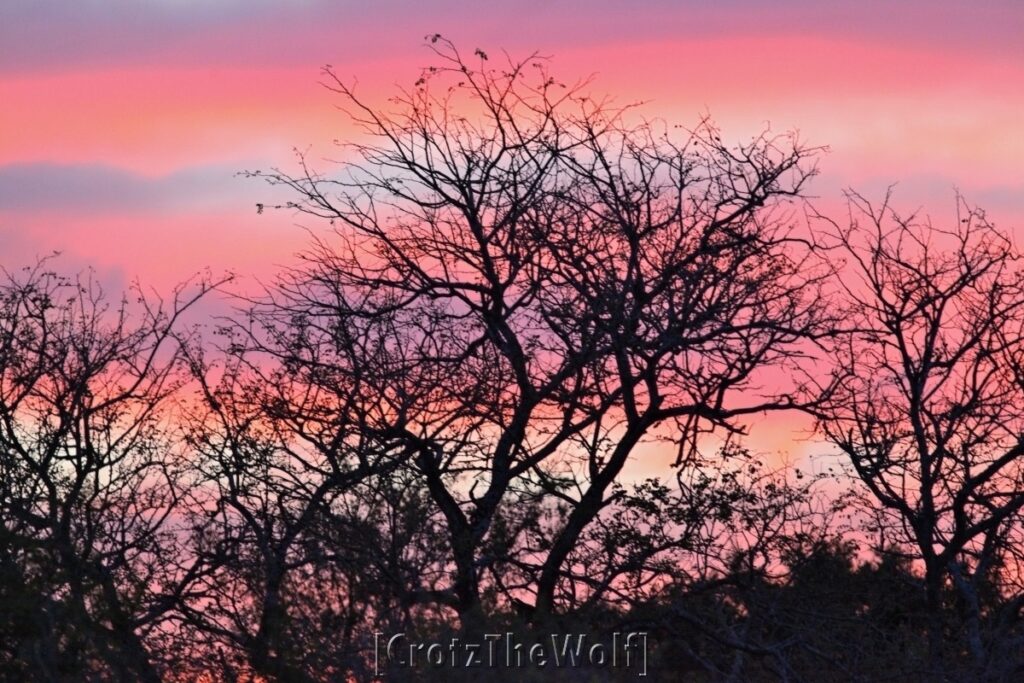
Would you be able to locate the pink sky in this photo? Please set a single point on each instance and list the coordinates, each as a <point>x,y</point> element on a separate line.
<point>123,122</point>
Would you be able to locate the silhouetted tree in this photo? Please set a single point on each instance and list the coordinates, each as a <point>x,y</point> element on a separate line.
<point>564,286</point>
<point>929,406</point>
<point>298,438</point>
<point>92,478</point>
<point>457,414</point>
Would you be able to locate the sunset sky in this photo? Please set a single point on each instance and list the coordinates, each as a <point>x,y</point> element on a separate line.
<point>123,123</point>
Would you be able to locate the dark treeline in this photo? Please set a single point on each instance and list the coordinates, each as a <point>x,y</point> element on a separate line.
<point>517,296</point>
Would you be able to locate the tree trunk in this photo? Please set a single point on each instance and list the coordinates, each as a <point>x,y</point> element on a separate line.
<point>936,635</point>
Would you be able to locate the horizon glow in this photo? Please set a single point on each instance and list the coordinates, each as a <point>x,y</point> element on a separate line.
<point>124,124</point>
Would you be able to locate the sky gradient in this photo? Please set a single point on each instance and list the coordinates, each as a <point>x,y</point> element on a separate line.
<point>123,123</point>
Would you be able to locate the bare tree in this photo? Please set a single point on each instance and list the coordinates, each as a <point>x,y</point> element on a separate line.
<point>928,403</point>
<point>566,286</point>
<point>298,437</point>
<point>437,420</point>
<point>92,478</point>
